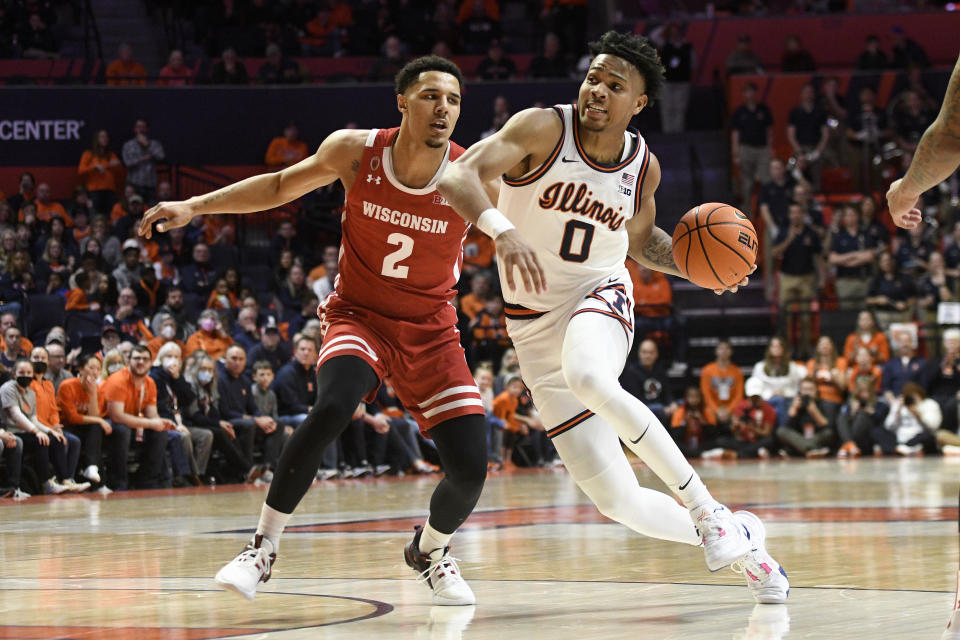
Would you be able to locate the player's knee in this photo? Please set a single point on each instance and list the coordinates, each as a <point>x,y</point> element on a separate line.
<point>592,387</point>
<point>469,477</point>
<point>330,409</point>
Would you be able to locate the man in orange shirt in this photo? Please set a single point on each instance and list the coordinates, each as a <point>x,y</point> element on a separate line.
<point>131,397</point>
<point>654,310</point>
<point>49,415</point>
<point>478,251</point>
<point>209,338</point>
<point>285,151</point>
<point>523,429</point>
<point>125,70</point>
<point>474,302</point>
<point>47,207</point>
<point>721,383</point>
<point>82,409</point>
<point>8,320</point>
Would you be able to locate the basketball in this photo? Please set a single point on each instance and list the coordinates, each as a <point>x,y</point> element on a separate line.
<point>714,245</point>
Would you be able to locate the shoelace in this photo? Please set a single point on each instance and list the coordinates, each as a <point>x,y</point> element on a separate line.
<point>252,555</point>
<point>448,563</point>
<point>752,566</point>
<point>710,525</point>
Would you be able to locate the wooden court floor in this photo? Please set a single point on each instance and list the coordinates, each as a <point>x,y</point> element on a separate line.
<point>870,547</point>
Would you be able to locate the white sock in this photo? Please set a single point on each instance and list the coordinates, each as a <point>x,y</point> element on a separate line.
<point>271,525</point>
<point>432,542</point>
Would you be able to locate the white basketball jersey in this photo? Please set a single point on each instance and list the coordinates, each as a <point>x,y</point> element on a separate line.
<point>573,213</point>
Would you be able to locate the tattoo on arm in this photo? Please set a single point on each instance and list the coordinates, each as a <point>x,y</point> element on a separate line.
<point>936,156</point>
<point>217,195</point>
<point>355,166</point>
<point>658,251</point>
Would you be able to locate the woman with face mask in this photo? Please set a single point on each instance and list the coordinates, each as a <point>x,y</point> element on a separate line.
<point>19,404</point>
<point>210,338</point>
<point>113,361</point>
<point>205,413</point>
<point>190,453</point>
<point>165,329</point>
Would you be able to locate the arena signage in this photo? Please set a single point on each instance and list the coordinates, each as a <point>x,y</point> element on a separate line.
<point>27,130</point>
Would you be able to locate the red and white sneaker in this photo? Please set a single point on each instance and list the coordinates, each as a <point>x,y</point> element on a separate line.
<point>253,566</point>
<point>765,577</point>
<point>443,575</point>
<point>724,540</point>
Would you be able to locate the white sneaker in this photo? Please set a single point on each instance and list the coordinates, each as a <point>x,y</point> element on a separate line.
<point>327,474</point>
<point>712,454</point>
<point>51,486</point>
<point>250,568</point>
<point>19,495</point>
<point>950,450</point>
<point>443,575</point>
<point>91,473</point>
<point>104,490</point>
<point>765,577</point>
<point>74,486</point>
<point>909,450</point>
<point>723,538</point>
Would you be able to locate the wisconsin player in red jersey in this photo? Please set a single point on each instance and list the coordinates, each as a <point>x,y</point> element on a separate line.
<point>388,318</point>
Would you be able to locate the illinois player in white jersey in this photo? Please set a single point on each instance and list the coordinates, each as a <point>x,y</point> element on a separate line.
<point>578,198</point>
<point>389,318</point>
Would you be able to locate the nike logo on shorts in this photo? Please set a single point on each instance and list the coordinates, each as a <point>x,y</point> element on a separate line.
<point>641,436</point>
<point>562,159</point>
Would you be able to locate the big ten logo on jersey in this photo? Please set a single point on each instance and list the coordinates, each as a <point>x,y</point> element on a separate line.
<point>627,181</point>
<point>577,198</point>
<point>744,238</point>
<point>440,200</point>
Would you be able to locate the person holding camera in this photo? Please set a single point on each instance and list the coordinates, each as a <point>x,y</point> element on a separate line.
<point>911,426</point>
<point>857,419</point>
<point>810,430</point>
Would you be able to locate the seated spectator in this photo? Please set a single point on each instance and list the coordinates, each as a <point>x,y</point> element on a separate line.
<point>858,418</point>
<point>37,40</point>
<point>479,24</point>
<point>286,150</point>
<point>911,425</point>
<point>867,335</point>
<point>829,370</point>
<point>175,73</point>
<point>210,337</point>
<point>11,450</point>
<point>100,170</point>
<point>25,191</point>
<point>325,284</point>
<point>646,379</point>
<point>173,305</point>
<point>221,298</point>
<point>754,421</point>
<point>935,286</point>
<point>204,412</point>
<point>131,214</point>
<point>278,69</point>
<point>295,385</point>
<point>198,278</point>
<point>53,260</point>
<point>57,371</point>
<point>944,387</point>
<point>131,397</point>
<point>810,429</point>
<point>238,406</point>
<point>721,384</point>
<point>798,248</point>
<point>890,296</point>
<point>386,67</point>
<point>125,70</point>
<point>48,413</point>
<point>497,65</point>
<point>488,332</point>
<point>166,331</point>
<point>229,69</point>
<point>83,409</point>
<point>474,302</point>
<point>551,63</point>
<point>872,58</point>
<point>326,33</point>
<point>148,290</point>
<point>865,368</point>
<point>742,60</point>
<point>129,322</point>
<point>129,271</point>
<point>904,367</point>
<point>653,312</point>
<point>779,378</point>
<point>478,251</point>
<point>271,347</point>
<point>524,434</point>
<point>509,364</point>
<point>56,231</point>
<point>41,443</point>
<point>795,58</point>
<point>47,207</point>
<point>271,438</point>
<point>12,347</point>
<point>17,279</point>
<point>190,453</point>
<point>693,425</point>
<point>246,334</point>
<point>291,295</point>
<point>483,375</point>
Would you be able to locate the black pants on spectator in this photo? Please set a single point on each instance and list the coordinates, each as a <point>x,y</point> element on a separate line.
<point>91,443</point>
<point>746,449</point>
<point>888,440</point>
<point>238,462</point>
<point>118,447</point>
<point>151,457</point>
<point>271,444</point>
<point>13,456</point>
<point>341,383</point>
<point>529,450</point>
<point>246,431</point>
<point>49,460</point>
<point>857,429</point>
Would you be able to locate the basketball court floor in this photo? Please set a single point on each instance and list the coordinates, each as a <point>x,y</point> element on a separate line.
<point>870,546</point>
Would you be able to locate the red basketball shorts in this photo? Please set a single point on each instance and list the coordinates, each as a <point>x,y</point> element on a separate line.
<point>422,358</point>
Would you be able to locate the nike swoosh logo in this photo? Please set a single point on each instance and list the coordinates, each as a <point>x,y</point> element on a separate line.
<point>684,485</point>
<point>562,159</point>
<point>641,435</point>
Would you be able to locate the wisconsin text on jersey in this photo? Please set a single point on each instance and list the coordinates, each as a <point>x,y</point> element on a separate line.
<point>403,219</point>
<point>567,196</point>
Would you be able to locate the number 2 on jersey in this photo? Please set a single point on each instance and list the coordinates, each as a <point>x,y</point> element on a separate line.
<point>390,262</point>
<point>570,236</point>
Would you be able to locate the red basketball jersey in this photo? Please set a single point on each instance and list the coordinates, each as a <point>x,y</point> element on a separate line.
<point>402,248</point>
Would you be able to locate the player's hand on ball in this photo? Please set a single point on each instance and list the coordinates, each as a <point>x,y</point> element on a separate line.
<point>903,207</point>
<point>733,288</point>
<point>168,215</point>
<point>515,253</point>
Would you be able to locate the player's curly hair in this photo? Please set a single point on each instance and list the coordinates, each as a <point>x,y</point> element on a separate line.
<point>412,70</point>
<point>638,51</point>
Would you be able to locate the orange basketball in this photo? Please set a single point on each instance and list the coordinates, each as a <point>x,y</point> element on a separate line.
<point>714,245</point>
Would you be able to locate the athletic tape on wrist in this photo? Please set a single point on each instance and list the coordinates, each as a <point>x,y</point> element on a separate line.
<point>493,223</point>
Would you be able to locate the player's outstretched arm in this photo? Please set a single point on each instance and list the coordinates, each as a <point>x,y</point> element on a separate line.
<point>937,156</point>
<point>650,245</point>
<point>523,143</point>
<point>332,161</point>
